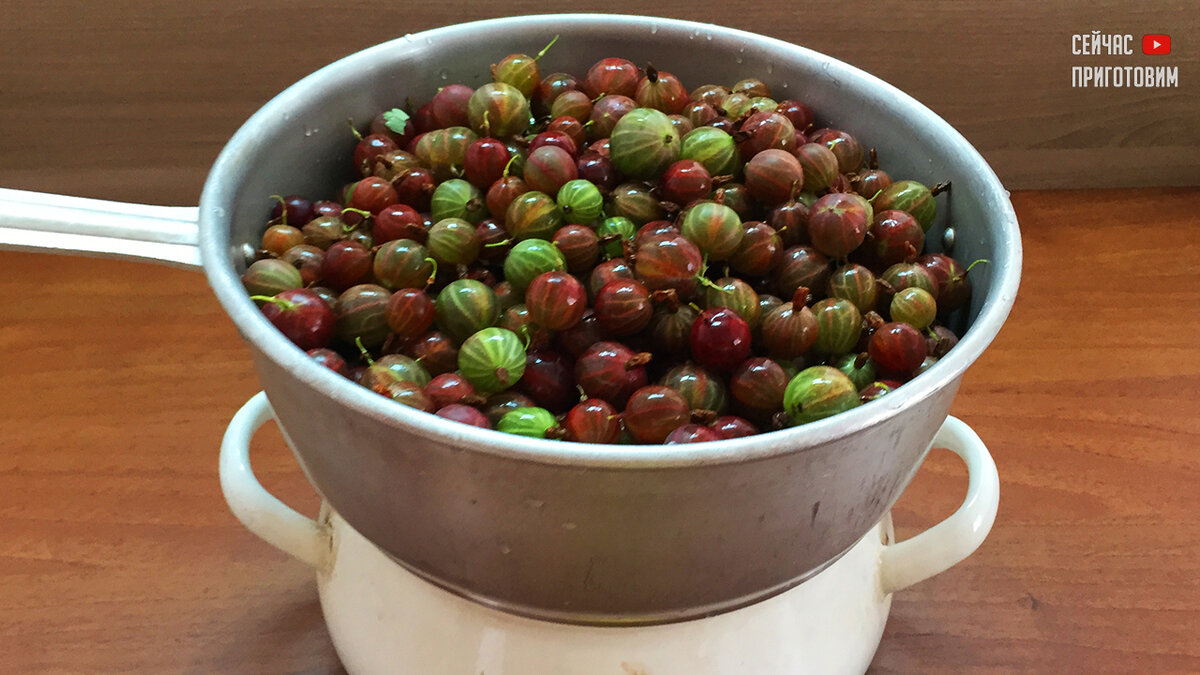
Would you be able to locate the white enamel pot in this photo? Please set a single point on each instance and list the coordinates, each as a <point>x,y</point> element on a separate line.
<point>385,619</point>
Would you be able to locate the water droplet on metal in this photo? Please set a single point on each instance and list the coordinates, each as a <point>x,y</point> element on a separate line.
<point>770,67</point>
<point>444,75</point>
<point>948,237</point>
<point>653,29</point>
<point>569,526</point>
<point>248,252</point>
<point>708,36</point>
<point>534,503</point>
<point>738,58</point>
<point>505,548</point>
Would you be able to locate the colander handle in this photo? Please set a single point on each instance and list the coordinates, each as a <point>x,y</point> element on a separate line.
<point>260,511</point>
<point>946,544</point>
<point>48,223</point>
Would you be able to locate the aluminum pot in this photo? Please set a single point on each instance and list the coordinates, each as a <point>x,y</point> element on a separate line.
<point>554,530</point>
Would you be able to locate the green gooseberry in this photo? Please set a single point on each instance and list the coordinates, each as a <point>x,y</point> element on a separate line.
<point>580,202</point>
<point>533,215</point>
<point>464,307</point>
<point>913,197</point>
<point>819,392</point>
<point>644,143</point>
<point>856,284</point>
<point>712,147</point>
<point>531,422</point>
<point>456,198</point>
<point>453,241</point>
<point>444,151</point>
<point>498,110</point>
<point>914,306</point>
<point>616,226</point>
<point>528,259</point>
<point>839,325</point>
<point>714,228</point>
<point>859,368</point>
<point>395,368</point>
<point>403,263</point>
<point>635,202</point>
<point>270,277</point>
<point>737,295</point>
<point>492,359</point>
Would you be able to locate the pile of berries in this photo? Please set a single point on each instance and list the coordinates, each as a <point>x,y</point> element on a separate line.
<point>610,259</point>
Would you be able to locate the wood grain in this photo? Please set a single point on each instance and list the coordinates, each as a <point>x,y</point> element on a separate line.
<point>118,554</point>
<point>133,100</point>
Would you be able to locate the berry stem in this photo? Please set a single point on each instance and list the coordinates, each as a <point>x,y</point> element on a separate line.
<point>363,351</point>
<point>508,166</point>
<point>546,49</point>
<point>668,297</point>
<point>282,303</point>
<point>283,206</point>
<point>433,274</point>
<point>350,121</point>
<point>800,298</point>
<point>981,260</point>
<point>364,214</point>
<point>874,321</point>
<point>939,188</point>
<point>639,359</point>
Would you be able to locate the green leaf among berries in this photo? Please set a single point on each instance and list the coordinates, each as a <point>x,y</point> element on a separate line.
<point>396,120</point>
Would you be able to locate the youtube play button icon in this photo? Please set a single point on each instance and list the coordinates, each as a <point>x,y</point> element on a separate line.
<point>1156,45</point>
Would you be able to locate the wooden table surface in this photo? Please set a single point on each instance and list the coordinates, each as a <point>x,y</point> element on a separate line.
<point>117,551</point>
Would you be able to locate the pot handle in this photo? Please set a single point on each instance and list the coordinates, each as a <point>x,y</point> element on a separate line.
<point>260,511</point>
<point>946,544</point>
<point>48,223</point>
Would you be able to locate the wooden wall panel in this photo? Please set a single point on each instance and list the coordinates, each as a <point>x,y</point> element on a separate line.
<point>133,99</point>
